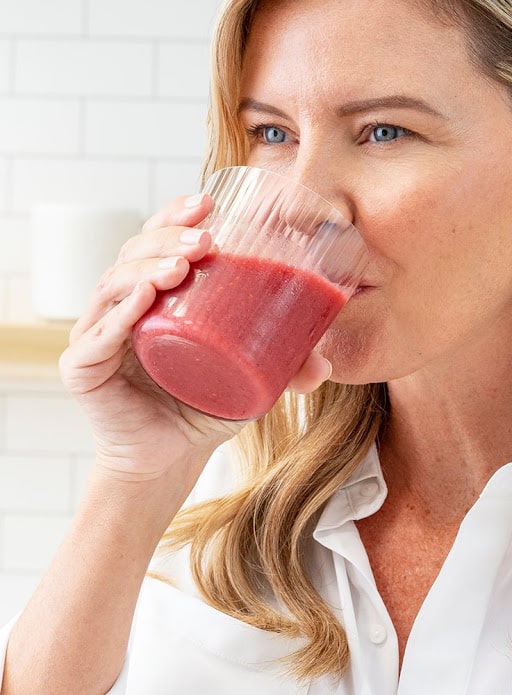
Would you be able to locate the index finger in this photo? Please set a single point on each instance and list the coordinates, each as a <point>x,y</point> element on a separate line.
<point>186,211</point>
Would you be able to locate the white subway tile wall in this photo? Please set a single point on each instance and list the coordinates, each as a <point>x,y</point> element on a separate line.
<point>41,533</point>
<point>102,102</point>
<point>91,181</point>
<point>142,129</point>
<point>173,79</point>
<point>5,186</point>
<point>152,18</point>
<point>36,126</point>
<point>5,73</point>
<point>31,17</point>
<point>25,483</point>
<point>170,181</point>
<point>84,68</point>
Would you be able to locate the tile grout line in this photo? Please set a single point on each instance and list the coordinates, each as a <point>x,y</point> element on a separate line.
<point>84,19</point>
<point>82,129</point>
<point>9,184</point>
<point>107,38</point>
<point>108,99</point>
<point>155,70</point>
<point>3,423</point>
<point>2,542</point>
<point>13,46</point>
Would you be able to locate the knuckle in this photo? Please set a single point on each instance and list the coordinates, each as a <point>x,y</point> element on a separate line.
<point>166,247</point>
<point>78,329</point>
<point>156,221</point>
<point>105,283</point>
<point>171,214</point>
<point>126,250</point>
<point>148,225</point>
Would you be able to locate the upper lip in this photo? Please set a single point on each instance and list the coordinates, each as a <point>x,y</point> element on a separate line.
<point>350,281</point>
<point>362,284</point>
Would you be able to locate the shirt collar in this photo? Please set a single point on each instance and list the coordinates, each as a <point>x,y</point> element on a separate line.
<point>365,491</point>
<point>500,483</point>
<point>362,495</point>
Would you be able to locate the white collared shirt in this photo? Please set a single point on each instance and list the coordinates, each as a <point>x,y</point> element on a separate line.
<point>460,644</point>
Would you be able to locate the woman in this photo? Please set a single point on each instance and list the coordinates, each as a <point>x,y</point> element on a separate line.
<point>369,551</point>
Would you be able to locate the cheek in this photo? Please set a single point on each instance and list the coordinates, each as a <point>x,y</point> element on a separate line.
<point>406,213</point>
<point>439,235</point>
<point>444,205</point>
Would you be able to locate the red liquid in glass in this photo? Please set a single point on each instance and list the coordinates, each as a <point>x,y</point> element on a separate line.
<point>228,340</point>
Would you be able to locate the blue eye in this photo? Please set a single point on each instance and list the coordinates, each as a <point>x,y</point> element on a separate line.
<point>273,135</point>
<point>267,134</point>
<point>387,133</point>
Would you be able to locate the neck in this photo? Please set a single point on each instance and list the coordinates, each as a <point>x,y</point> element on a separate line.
<point>449,431</point>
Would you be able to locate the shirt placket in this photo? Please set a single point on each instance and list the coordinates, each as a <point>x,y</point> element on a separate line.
<point>441,650</point>
<point>370,632</point>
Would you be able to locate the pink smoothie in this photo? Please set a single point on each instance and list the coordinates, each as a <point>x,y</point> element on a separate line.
<point>228,340</point>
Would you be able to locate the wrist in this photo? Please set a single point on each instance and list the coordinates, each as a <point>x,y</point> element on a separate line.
<point>154,494</point>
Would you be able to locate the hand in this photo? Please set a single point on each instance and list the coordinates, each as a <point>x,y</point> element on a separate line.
<point>139,429</point>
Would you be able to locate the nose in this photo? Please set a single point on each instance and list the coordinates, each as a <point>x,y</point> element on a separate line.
<point>296,201</point>
<point>319,207</point>
<point>266,213</point>
<point>317,171</point>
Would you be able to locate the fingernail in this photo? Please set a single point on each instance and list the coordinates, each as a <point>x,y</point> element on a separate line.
<point>194,201</point>
<point>328,370</point>
<point>191,236</point>
<point>170,262</point>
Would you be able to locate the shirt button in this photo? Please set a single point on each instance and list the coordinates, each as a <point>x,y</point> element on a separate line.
<point>369,489</point>
<point>378,634</point>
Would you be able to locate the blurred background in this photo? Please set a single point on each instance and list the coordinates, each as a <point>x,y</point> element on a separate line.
<point>102,104</point>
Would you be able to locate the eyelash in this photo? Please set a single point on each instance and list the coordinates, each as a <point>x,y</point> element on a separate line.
<point>376,124</point>
<point>256,131</point>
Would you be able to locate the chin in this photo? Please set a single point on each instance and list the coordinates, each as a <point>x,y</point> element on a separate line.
<point>358,357</point>
<point>351,356</point>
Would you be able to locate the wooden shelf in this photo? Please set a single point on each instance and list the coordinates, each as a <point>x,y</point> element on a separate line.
<point>31,351</point>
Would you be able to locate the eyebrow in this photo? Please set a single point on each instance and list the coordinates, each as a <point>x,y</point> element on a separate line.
<point>248,104</point>
<point>397,101</point>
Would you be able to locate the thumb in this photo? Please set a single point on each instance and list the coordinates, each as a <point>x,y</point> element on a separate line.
<point>315,370</point>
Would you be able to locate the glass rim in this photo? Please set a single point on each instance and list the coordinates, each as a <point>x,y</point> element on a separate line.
<point>317,236</point>
<point>286,179</point>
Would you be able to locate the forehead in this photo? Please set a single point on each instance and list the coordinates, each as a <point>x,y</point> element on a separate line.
<point>359,44</point>
<point>385,19</point>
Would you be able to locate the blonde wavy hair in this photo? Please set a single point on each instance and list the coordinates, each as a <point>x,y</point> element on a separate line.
<point>254,543</point>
